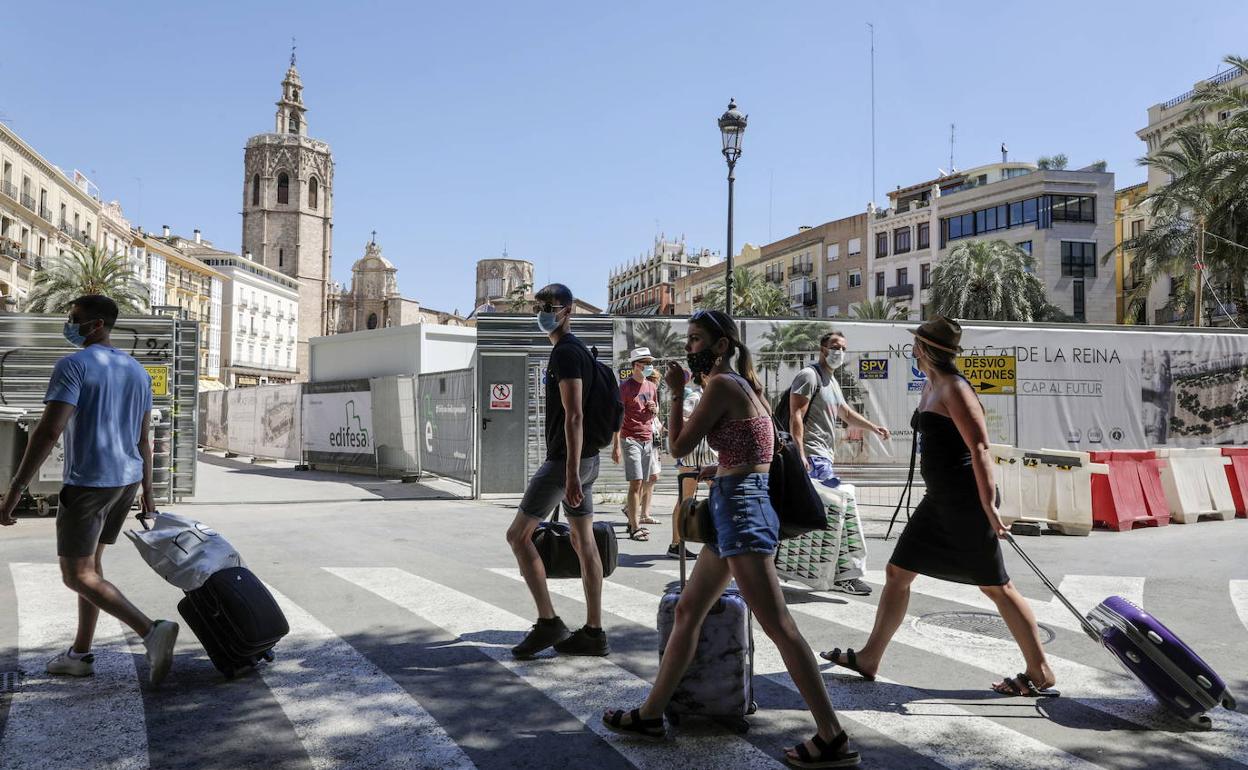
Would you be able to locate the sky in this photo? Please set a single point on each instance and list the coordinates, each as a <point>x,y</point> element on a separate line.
<point>572,133</point>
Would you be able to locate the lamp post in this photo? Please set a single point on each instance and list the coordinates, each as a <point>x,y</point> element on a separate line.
<point>731,129</point>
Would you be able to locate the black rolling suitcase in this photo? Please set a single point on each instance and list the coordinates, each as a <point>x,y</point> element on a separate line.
<point>235,618</point>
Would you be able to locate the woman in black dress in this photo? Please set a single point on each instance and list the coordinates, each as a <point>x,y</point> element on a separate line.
<point>955,531</point>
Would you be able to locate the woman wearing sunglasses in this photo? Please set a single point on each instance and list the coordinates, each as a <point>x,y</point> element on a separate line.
<point>734,418</point>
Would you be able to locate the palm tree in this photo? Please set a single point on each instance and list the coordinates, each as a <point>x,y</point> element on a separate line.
<point>86,271</point>
<point>661,337</point>
<point>990,280</point>
<point>1199,229</point>
<point>880,309</point>
<point>752,296</point>
<point>790,343</point>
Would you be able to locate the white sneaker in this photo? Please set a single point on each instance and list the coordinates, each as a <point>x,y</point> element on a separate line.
<point>159,644</point>
<point>64,665</point>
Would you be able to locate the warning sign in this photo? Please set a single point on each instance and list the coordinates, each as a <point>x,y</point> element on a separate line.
<point>160,379</point>
<point>500,396</point>
<point>873,369</point>
<point>990,374</point>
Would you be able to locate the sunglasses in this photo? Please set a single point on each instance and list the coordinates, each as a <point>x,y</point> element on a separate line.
<point>547,307</point>
<point>705,315</point>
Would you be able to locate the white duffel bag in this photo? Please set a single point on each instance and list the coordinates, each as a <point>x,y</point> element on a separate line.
<point>183,551</point>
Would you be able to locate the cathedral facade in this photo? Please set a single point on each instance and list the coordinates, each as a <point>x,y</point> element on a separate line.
<point>374,301</point>
<point>288,199</point>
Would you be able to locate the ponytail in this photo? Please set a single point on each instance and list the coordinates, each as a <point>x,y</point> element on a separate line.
<point>745,367</point>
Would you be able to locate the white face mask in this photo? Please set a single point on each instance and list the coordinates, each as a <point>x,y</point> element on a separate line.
<point>836,358</point>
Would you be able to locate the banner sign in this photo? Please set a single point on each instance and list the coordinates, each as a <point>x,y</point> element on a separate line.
<point>160,379</point>
<point>338,423</point>
<point>873,369</point>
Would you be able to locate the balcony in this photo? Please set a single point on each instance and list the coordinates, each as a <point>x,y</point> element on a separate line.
<point>12,249</point>
<point>66,227</point>
<point>776,277</point>
<point>46,213</point>
<point>9,189</point>
<point>801,268</point>
<point>901,291</point>
<point>1168,316</point>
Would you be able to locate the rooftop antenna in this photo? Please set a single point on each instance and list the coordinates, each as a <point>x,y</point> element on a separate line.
<point>1005,153</point>
<point>871,27</point>
<point>953,128</point>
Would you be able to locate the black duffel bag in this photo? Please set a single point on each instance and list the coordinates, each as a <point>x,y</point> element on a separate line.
<point>792,493</point>
<point>553,540</point>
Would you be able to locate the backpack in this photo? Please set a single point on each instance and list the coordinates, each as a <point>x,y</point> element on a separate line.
<point>604,414</point>
<point>780,411</point>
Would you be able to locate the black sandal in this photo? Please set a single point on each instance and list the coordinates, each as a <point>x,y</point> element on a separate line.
<point>640,534</point>
<point>834,754</point>
<point>1022,686</point>
<point>650,729</point>
<point>851,661</point>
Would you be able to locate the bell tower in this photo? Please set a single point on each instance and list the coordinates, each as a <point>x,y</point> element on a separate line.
<point>288,184</point>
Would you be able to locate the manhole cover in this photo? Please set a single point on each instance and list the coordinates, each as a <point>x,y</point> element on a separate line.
<point>951,627</point>
<point>10,681</point>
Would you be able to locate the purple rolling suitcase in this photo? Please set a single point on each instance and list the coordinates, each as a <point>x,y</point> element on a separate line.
<point>1176,675</point>
<point>719,683</point>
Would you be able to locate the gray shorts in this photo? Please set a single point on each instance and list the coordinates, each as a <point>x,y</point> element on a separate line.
<point>546,489</point>
<point>638,459</point>
<point>89,516</point>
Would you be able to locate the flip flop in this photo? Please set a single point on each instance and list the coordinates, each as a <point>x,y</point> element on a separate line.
<point>851,661</point>
<point>1022,686</point>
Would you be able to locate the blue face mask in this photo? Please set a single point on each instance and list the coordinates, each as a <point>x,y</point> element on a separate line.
<point>649,370</point>
<point>547,322</point>
<point>73,335</point>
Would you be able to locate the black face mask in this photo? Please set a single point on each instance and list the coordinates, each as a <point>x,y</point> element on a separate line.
<point>702,361</point>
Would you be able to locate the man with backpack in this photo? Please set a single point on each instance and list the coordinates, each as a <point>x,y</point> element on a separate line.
<point>815,403</point>
<point>573,439</point>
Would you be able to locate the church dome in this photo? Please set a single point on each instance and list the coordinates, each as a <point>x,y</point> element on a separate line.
<point>372,259</point>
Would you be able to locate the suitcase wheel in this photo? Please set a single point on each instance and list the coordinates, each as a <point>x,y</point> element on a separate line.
<point>1228,701</point>
<point>268,655</point>
<point>1201,722</point>
<point>752,709</point>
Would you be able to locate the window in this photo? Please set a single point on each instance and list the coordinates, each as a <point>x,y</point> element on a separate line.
<point>1025,246</point>
<point>925,235</point>
<point>832,311</point>
<point>1137,228</point>
<point>281,257</point>
<point>925,276</point>
<point>901,240</point>
<point>834,282</point>
<point>1030,209</point>
<point>1073,208</point>
<point>1079,259</point>
<point>294,123</point>
<point>879,284</point>
<point>255,189</point>
<point>1079,310</point>
<point>313,193</point>
<point>960,226</point>
<point>283,188</point>
<point>881,244</point>
<point>834,252</point>
<point>372,320</point>
<point>855,278</point>
<point>903,276</point>
<point>855,246</point>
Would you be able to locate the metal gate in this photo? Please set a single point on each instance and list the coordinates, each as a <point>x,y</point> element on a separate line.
<point>30,346</point>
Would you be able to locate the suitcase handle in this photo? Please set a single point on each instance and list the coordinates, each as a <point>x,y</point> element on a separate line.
<point>1088,628</point>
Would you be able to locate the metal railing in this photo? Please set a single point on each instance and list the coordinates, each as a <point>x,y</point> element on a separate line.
<point>1218,79</point>
<point>29,202</point>
<point>9,189</point>
<point>901,290</point>
<point>46,213</point>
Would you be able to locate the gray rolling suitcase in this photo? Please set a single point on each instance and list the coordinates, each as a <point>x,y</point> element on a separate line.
<point>719,683</point>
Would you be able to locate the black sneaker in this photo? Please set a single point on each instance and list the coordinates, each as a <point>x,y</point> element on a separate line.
<point>673,552</point>
<point>544,633</point>
<point>854,586</point>
<point>585,641</point>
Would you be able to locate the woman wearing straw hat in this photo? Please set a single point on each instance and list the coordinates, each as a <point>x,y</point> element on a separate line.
<point>955,532</point>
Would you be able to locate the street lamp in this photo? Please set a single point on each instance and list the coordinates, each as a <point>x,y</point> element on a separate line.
<point>732,129</point>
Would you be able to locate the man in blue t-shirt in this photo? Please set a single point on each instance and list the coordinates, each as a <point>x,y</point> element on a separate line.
<point>100,399</point>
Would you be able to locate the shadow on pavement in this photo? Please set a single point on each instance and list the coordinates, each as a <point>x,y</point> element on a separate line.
<point>375,487</point>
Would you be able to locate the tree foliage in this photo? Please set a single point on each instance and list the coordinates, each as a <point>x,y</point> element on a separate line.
<point>86,271</point>
<point>990,280</point>
<point>752,296</point>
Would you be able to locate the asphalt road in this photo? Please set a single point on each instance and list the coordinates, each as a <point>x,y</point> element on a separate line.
<point>403,601</point>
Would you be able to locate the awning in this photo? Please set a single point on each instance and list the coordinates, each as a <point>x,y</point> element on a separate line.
<point>205,385</point>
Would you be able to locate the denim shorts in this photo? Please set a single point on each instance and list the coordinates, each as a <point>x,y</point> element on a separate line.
<point>743,517</point>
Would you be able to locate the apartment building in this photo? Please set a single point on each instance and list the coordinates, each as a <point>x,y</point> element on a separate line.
<point>1064,219</point>
<point>176,280</point>
<point>43,212</point>
<point>259,317</point>
<point>691,288</point>
<point>647,285</point>
<point>820,268</point>
<point>1163,119</point>
<point>1130,219</point>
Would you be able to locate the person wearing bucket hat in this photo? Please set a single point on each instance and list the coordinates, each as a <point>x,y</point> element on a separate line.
<point>633,443</point>
<point>955,533</point>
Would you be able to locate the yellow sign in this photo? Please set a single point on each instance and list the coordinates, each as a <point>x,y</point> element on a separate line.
<point>160,379</point>
<point>993,375</point>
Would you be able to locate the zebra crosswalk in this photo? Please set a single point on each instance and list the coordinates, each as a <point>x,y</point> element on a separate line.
<point>345,707</point>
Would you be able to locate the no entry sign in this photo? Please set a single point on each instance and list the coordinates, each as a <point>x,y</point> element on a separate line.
<point>500,396</point>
